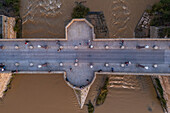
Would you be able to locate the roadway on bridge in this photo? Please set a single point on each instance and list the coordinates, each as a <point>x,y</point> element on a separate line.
<point>98,57</point>
<point>86,56</point>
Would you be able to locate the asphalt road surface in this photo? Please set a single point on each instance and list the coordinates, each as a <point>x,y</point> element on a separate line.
<point>88,56</point>
<point>97,56</point>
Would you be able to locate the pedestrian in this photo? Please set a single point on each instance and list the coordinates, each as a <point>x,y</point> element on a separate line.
<point>49,71</point>
<point>66,79</point>
<point>16,71</point>
<point>58,50</point>
<point>26,42</point>
<point>122,41</point>
<point>45,47</point>
<point>70,69</point>
<point>127,63</point>
<point>1,47</point>
<point>100,70</point>
<point>112,69</point>
<point>13,71</point>
<point>58,42</point>
<point>87,43</point>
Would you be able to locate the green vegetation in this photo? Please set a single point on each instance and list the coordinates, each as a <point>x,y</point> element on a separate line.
<point>161,13</point>
<point>164,32</point>
<point>103,93</point>
<point>18,27</point>
<point>1,5</point>
<point>90,107</point>
<point>160,90</point>
<point>0,35</point>
<point>80,11</point>
<point>15,5</point>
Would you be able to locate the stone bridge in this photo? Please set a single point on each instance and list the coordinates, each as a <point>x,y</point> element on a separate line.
<point>80,56</point>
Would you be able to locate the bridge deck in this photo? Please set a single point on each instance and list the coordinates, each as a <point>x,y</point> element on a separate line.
<point>97,56</point>
<point>78,34</point>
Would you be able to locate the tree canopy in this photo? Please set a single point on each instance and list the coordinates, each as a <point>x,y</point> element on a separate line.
<point>80,11</point>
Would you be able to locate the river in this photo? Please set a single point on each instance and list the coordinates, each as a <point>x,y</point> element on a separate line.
<point>50,94</point>
<point>47,18</point>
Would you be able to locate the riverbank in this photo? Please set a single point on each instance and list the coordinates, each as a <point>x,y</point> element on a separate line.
<point>11,8</point>
<point>162,85</point>
<point>5,79</point>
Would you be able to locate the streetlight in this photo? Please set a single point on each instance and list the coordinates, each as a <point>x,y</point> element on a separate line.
<point>122,47</point>
<point>106,47</point>
<point>142,66</point>
<point>31,47</point>
<point>31,64</point>
<point>76,47</point>
<point>140,47</point>
<point>17,64</point>
<point>39,46</point>
<point>155,65</point>
<point>106,65</point>
<point>91,46</point>
<point>42,65</point>
<point>91,65</point>
<point>45,46</point>
<point>61,47</point>
<point>39,66</point>
<point>61,64</point>
<point>146,67</point>
<point>155,47</point>
<point>76,64</point>
<point>16,47</point>
<point>122,65</point>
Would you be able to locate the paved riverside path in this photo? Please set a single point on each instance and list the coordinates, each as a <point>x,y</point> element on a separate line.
<point>98,57</point>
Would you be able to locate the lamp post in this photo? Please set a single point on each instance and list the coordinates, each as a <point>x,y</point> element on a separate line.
<point>140,47</point>
<point>142,66</point>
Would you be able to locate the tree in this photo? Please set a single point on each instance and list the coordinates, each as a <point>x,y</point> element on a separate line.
<point>80,11</point>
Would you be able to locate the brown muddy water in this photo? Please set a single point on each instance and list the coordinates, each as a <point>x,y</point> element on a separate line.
<point>44,18</point>
<point>50,94</point>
